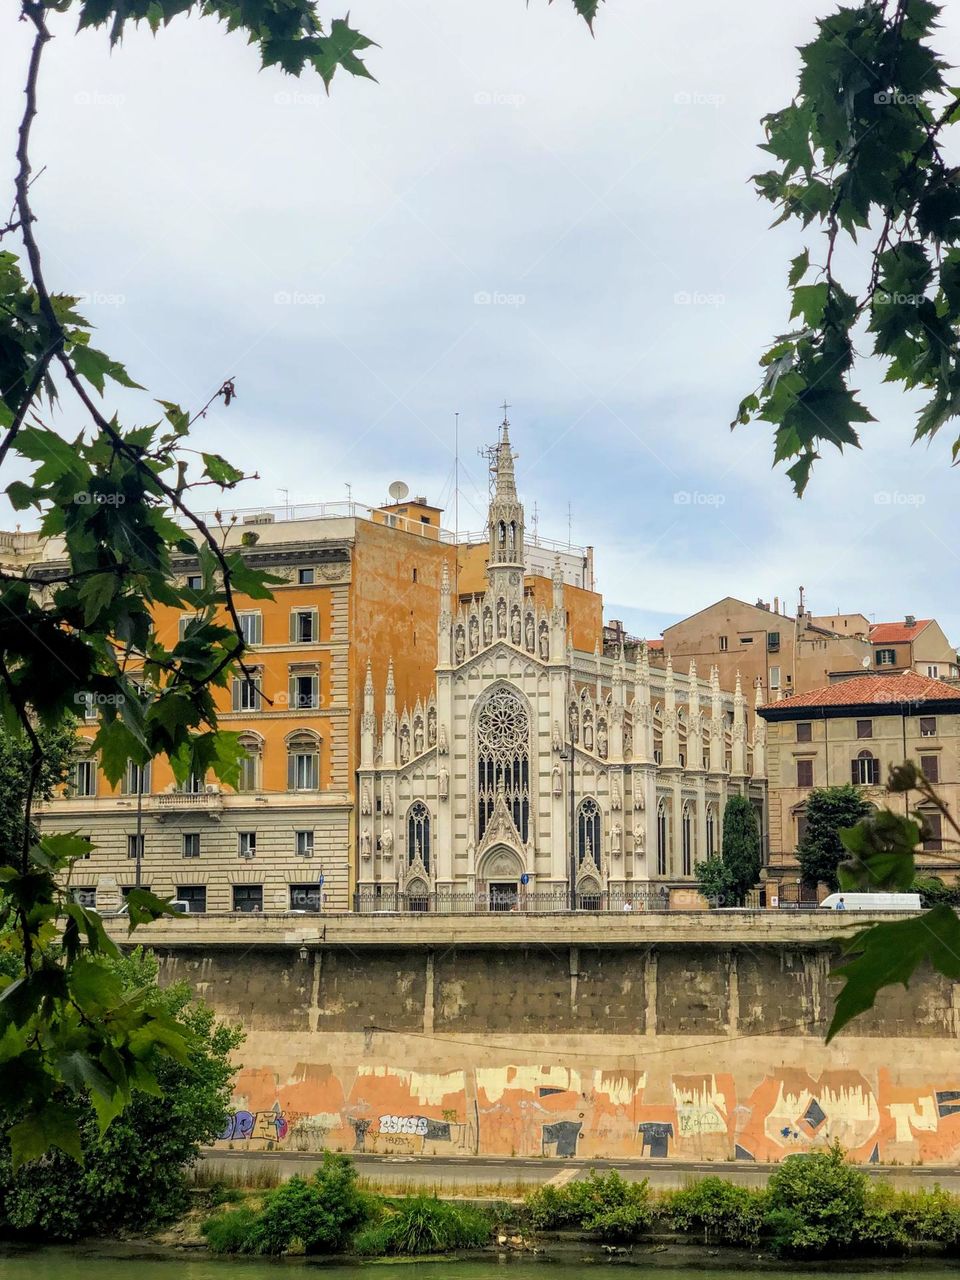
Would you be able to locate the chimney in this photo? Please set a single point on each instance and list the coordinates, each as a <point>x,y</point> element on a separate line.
<point>776,604</point>
<point>910,620</point>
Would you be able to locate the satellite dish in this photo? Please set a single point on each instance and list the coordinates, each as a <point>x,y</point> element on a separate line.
<point>864,661</point>
<point>398,490</point>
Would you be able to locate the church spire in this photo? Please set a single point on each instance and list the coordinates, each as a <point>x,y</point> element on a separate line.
<point>506,483</point>
<point>506,560</point>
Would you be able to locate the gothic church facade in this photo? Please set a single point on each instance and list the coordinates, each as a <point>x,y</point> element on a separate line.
<point>536,774</point>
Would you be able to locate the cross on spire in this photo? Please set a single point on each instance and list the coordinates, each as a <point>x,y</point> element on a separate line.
<point>505,407</point>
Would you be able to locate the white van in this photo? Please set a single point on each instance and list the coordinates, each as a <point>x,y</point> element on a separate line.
<point>872,902</point>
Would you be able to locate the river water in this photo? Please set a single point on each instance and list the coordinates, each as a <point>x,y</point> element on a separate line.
<point>73,1264</point>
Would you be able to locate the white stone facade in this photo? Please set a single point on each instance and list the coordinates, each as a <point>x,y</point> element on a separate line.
<point>467,799</point>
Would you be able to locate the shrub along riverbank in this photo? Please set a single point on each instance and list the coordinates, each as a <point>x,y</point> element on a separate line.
<point>815,1207</point>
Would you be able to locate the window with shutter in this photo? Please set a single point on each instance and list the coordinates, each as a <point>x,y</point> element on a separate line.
<point>804,773</point>
<point>804,732</point>
<point>930,768</point>
<point>931,832</point>
<point>865,770</point>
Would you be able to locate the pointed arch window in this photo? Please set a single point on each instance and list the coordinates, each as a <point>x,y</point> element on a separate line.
<point>686,840</point>
<point>503,759</point>
<point>711,831</point>
<point>418,834</point>
<point>588,833</point>
<point>662,839</point>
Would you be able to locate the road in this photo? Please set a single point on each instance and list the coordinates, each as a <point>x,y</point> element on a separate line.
<point>508,1176</point>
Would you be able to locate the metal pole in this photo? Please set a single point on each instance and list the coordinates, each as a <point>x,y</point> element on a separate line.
<point>573,826</point>
<point>139,837</point>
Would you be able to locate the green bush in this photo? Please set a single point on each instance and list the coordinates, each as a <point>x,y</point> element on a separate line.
<point>316,1215</point>
<point>423,1224</point>
<point>232,1232</point>
<point>601,1202</point>
<point>134,1176</point>
<point>930,1215</point>
<point>816,1204</point>
<point>722,1211</point>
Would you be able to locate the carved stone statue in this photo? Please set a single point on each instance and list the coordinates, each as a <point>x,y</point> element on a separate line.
<point>557,736</point>
<point>638,838</point>
<point>531,635</point>
<point>404,745</point>
<point>474,634</point>
<point>418,738</point>
<point>615,839</point>
<point>627,740</point>
<point>515,628</point>
<point>431,728</point>
<point>616,801</point>
<point>487,627</point>
<point>388,799</point>
<point>557,781</point>
<point>574,722</point>
<point>365,843</point>
<point>365,801</point>
<point>602,739</point>
<point>443,784</point>
<point>501,617</point>
<point>386,842</point>
<point>544,643</point>
<point>459,649</point>
<point>588,734</point>
<point>638,801</point>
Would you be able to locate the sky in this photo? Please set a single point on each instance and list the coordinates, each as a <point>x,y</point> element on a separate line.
<point>514,211</point>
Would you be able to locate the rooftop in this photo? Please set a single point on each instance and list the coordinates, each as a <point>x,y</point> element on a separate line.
<point>871,690</point>
<point>897,632</point>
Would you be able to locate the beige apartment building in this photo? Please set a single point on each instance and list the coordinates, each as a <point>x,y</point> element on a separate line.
<point>787,655</point>
<point>853,731</point>
<point>916,644</point>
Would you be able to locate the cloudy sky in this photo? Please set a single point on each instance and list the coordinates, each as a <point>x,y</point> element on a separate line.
<point>515,210</point>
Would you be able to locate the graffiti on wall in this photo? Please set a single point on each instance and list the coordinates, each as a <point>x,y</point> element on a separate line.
<point>530,1109</point>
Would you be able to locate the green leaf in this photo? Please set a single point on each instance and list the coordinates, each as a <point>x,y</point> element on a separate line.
<point>54,1125</point>
<point>220,471</point>
<point>798,268</point>
<point>809,301</point>
<point>340,49</point>
<point>887,954</point>
<point>95,366</point>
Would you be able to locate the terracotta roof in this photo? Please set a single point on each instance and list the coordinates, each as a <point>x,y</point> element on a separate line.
<point>654,644</point>
<point>896,632</point>
<point>862,691</point>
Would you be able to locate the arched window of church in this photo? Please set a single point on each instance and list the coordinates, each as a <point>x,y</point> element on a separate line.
<point>418,834</point>
<point>588,832</point>
<point>502,534</point>
<point>711,831</point>
<point>686,840</point>
<point>503,759</point>
<point>662,838</point>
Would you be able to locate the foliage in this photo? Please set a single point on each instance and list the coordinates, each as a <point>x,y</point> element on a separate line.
<point>316,1215</point>
<point>149,1148</point>
<point>829,810</point>
<point>422,1225</point>
<point>715,881</point>
<point>723,1211</point>
<point>861,150</point>
<point>934,893</point>
<point>601,1202</point>
<point>741,845</point>
<point>232,1232</point>
<point>881,851</point>
<point>932,1214</point>
<point>816,1202</point>
<point>59,745</point>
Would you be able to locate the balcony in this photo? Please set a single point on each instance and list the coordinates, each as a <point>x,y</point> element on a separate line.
<point>207,804</point>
